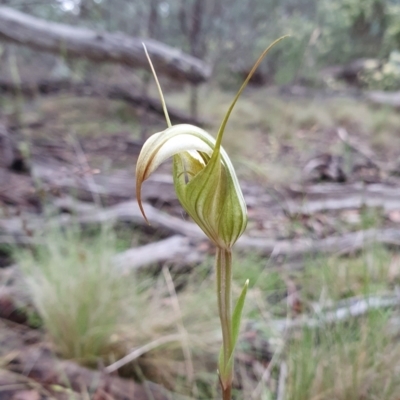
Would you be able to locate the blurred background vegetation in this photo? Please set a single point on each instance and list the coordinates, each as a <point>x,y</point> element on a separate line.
<point>231,33</point>
<point>319,159</point>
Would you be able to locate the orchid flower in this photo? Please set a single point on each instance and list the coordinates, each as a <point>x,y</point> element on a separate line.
<point>208,189</point>
<point>204,180</point>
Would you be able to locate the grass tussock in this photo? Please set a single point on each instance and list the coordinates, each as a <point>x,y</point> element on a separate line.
<point>94,314</point>
<point>80,298</point>
<point>345,360</point>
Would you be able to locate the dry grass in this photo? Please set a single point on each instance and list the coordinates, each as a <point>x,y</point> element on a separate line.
<point>345,362</point>
<point>269,135</point>
<point>352,360</point>
<point>90,312</point>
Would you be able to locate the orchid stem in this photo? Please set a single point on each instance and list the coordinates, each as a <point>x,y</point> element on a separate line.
<point>223,260</point>
<point>227,393</point>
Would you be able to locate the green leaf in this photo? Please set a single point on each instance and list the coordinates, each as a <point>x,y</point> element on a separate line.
<point>226,369</point>
<point>237,314</point>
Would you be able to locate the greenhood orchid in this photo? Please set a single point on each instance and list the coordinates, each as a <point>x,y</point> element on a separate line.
<point>204,180</point>
<point>208,189</point>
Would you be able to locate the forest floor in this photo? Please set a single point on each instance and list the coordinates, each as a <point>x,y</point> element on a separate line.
<point>81,278</point>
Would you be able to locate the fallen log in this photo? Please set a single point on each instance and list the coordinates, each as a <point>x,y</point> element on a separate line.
<point>391,99</point>
<point>351,73</point>
<point>350,201</point>
<point>116,187</point>
<point>175,249</point>
<point>344,310</point>
<point>334,197</point>
<point>341,190</point>
<point>129,212</point>
<point>128,93</point>
<point>339,245</point>
<point>159,188</point>
<point>57,38</point>
<point>161,222</point>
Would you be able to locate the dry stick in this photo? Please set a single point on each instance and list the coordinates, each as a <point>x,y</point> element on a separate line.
<point>282,381</point>
<point>82,159</point>
<point>181,328</point>
<point>140,351</point>
<point>265,376</point>
<point>25,383</point>
<point>257,391</point>
<point>350,308</point>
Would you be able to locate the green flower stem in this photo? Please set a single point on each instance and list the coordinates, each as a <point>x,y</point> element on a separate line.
<point>223,260</point>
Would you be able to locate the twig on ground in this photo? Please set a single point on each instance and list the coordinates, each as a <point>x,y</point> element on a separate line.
<point>140,351</point>
<point>181,329</point>
<point>346,309</point>
<point>283,372</point>
<point>265,376</point>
